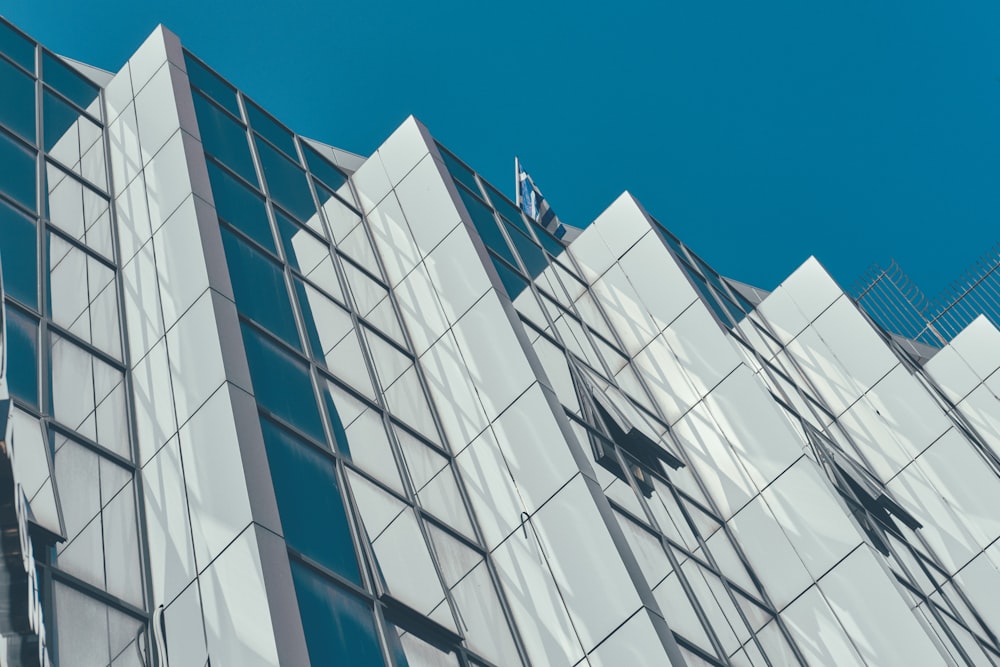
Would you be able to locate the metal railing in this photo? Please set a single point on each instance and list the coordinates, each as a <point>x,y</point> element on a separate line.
<point>892,299</point>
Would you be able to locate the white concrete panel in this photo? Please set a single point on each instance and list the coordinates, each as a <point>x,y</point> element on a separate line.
<point>155,420</point>
<point>196,362</point>
<point>403,150</point>
<point>811,288</point>
<point>457,274</point>
<point>626,313</point>
<point>216,485</point>
<point>393,239</point>
<point>168,182</point>
<point>635,644</point>
<point>702,349</point>
<point>156,109</point>
<point>427,204</point>
<point>622,224</point>
<point>493,355</point>
<point>492,491</point>
<point>817,525</point>
<point>371,182</point>
<point>420,309</point>
<point>818,633</point>
<point>875,617</point>
<point>586,564</point>
<point>979,346</point>
<point>671,390</point>
<point>186,628</point>
<point>951,373</point>
<point>237,618</point>
<point>453,392</point>
<point>180,264</point>
<point>171,556</point>
<point>660,284</point>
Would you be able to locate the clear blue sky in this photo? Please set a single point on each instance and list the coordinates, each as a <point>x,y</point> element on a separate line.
<point>759,132</point>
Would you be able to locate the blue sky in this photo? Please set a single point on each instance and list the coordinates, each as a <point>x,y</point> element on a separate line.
<point>760,133</point>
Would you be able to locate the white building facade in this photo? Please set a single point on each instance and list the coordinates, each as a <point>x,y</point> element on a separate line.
<point>272,403</point>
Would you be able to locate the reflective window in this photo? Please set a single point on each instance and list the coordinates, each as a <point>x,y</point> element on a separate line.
<point>286,182</point>
<point>532,256</point>
<point>212,85</point>
<point>17,172</point>
<point>281,383</point>
<point>19,255</point>
<point>322,169</point>
<point>459,171</point>
<point>240,206</point>
<point>326,322</point>
<point>77,209</point>
<point>65,79</point>
<point>224,138</point>
<point>18,109</point>
<point>16,47</point>
<point>339,626</point>
<point>259,288</point>
<point>302,250</point>
<point>340,216</point>
<point>489,232</point>
<point>512,280</point>
<point>271,129</point>
<point>309,501</point>
<point>504,206</point>
<point>22,356</point>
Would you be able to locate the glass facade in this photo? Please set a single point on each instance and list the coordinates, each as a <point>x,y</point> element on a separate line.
<point>271,403</point>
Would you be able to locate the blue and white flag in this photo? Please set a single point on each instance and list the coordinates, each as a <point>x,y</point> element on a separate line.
<point>531,201</point>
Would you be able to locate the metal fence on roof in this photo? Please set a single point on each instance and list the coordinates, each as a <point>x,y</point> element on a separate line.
<point>895,302</point>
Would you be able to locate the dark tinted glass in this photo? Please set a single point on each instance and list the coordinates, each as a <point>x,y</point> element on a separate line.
<point>322,169</point>
<point>505,207</point>
<point>259,288</point>
<point>224,138</point>
<point>212,85</point>
<point>19,255</point>
<point>512,281</point>
<point>296,240</point>
<point>67,81</point>
<point>59,120</point>
<point>271,130</point>
<point>17,172</point>
<point>459,172</point>
<point>240,206</point>
<point>286,183</point>
<point>548,241</point>
<point>482,217</point>
<point>16,47</point>
<point>309,502</point>
<point>531,254</point>
<point>17,111</point>
<point>281,383</point>
<point>339,627</point>
<point>22,356</point>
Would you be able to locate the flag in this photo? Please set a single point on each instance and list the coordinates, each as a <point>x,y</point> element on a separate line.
<point>533,204</point>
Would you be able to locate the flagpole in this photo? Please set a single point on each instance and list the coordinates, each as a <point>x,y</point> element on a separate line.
<point>517,184</point>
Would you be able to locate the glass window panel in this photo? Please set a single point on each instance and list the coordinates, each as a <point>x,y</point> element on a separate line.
<point>240,206</point>
<point>325,321</point>
<point>271,129</point>
<point>459,171</point>
<point>504,206</point>
<point>212,85</point>
<point>343,409</point>
<point>339,626</point>
<point>22,356</point>
<point>384,318</point>
<point>61,136</point>
<point>309,501</point>
<point>389,362</point>
<point>489,232</point>
<point>281,383</point>
<point>18,109</point>
<point>259,288</point>
<point>549,242</point>
<point>532,256</point>
<point>358,247</point>
<point>401,555</point>
<point>341,217</point>
<point>322,169</point>
<point>512,281</point>
<point>303,250</point>
<point>19,255</point>
<point>17,172</point>
<point>367,443</point>
<point>412,651</point>
<point>63,78</point>
<point>224,138</point>
<point>346,362</point>
<point>367,293</point>
<point>286,182</point>
<point>19,48</point>
<point>486,629</point>
<point>83,627</point>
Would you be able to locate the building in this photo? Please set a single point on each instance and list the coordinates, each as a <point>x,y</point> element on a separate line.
<point>273,403</point>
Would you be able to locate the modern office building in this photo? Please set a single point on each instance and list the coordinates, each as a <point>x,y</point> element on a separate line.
<point>272,403</point>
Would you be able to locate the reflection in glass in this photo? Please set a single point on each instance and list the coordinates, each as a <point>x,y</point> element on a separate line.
<point>77,209</point>
<point>259,288</point>
<point>309,501</point>
<point>286,182</point>
<point>19,256</point>
<point>322,169</point>
<point>20,49</point>
<point>339,627</point>
<point>281,383</point>
<point>82,295</point>
<point>18,109</point>
<point>22,356</point>
<point>224,138</point>
<point>212,85</point>
<point>67,81</point>
<point>271,129</point>
<point>17,172</point>
<point>240,206</point>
